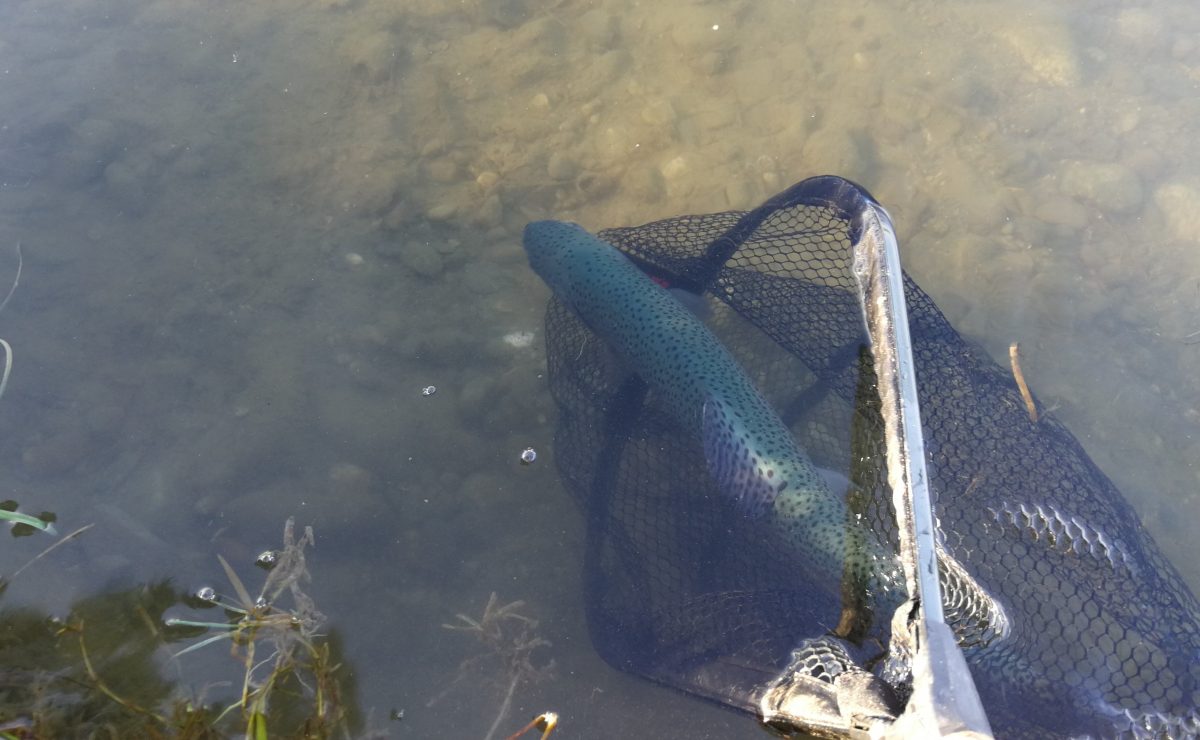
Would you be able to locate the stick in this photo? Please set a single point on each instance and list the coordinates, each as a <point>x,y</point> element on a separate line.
<point>543,723</point>
<point>512,687</point>
<point>1020,378</point>
<point>16,280</point>
<point>46,552</point>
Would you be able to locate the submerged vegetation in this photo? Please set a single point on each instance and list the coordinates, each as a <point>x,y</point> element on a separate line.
<point>98,672</point>
<point>510,641</point>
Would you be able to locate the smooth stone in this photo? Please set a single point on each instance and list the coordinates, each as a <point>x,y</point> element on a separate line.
<point>643,184</point>
<point>1048,50</point>
<point>697,36</point>
<point>1107,184</point>
<point>674,168</point>
<point>375,56</point>
<point>58,454</point>
<point>490,213</point>
<point>659,113</point>
<point>126,181</point>
<point>441,212</point>
<point>442,170</point>
<point>480,279</point>
<point>423,259</point>
<point>1061,210</point>
<point>487,179</point>
<point>1140,27</point>
<point>740,194</point>
<point>504,13</point>
<point>1180,203</point>
<point>90,149</point>
<point>833,149</point>
<point>561,167</point>
<point>598,27</point>
<point>476,396</point>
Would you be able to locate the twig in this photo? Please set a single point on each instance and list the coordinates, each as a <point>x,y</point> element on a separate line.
<point>16,280</point>
<point>8,353</point>
<point>7,366</point>
<point>543,723</point>
<point>1020,378</point>
<point>48,550</point>
<point>512,687</point>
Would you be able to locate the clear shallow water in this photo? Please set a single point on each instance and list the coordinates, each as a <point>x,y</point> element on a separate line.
<point>253,234</point>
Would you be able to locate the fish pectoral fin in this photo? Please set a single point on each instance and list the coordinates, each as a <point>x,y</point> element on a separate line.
<point>739,472</point>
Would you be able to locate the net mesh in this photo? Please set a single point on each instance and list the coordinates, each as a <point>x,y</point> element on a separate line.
<point>682,589</point>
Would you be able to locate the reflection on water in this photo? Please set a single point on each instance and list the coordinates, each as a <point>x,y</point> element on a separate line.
<point>253,233</point>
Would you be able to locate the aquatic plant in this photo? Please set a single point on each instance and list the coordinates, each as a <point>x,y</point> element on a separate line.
<point>26,524</point>
<point>296,662</point>
<point>510,639</point>
<point>96,672</point>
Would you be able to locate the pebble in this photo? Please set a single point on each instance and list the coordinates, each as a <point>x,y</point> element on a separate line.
<point>674,168</point>
<point>487,179</point>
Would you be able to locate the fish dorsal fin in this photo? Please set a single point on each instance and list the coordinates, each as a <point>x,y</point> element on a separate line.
<point>739,471</point>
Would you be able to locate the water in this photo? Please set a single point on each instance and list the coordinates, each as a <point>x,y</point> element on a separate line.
<point>254,233</point>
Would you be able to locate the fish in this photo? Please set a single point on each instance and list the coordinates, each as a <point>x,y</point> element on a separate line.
<point>751,454</point>
<point>1072,620</point>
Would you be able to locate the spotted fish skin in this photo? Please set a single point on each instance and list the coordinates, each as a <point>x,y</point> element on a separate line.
<point>751,453</point>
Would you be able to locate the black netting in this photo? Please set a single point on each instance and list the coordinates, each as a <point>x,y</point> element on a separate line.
<point>683,589</point>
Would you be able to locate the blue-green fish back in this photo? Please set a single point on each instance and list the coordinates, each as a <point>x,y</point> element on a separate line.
<point>750,452</point>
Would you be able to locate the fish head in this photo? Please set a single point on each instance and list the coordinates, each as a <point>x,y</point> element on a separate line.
<point>554,247</point>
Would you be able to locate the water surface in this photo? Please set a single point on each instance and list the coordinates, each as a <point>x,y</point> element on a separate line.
<point>253,233</point>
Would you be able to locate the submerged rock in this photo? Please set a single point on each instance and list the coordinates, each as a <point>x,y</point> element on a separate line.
<point>1180,203</point>
<point>1109,185</point>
